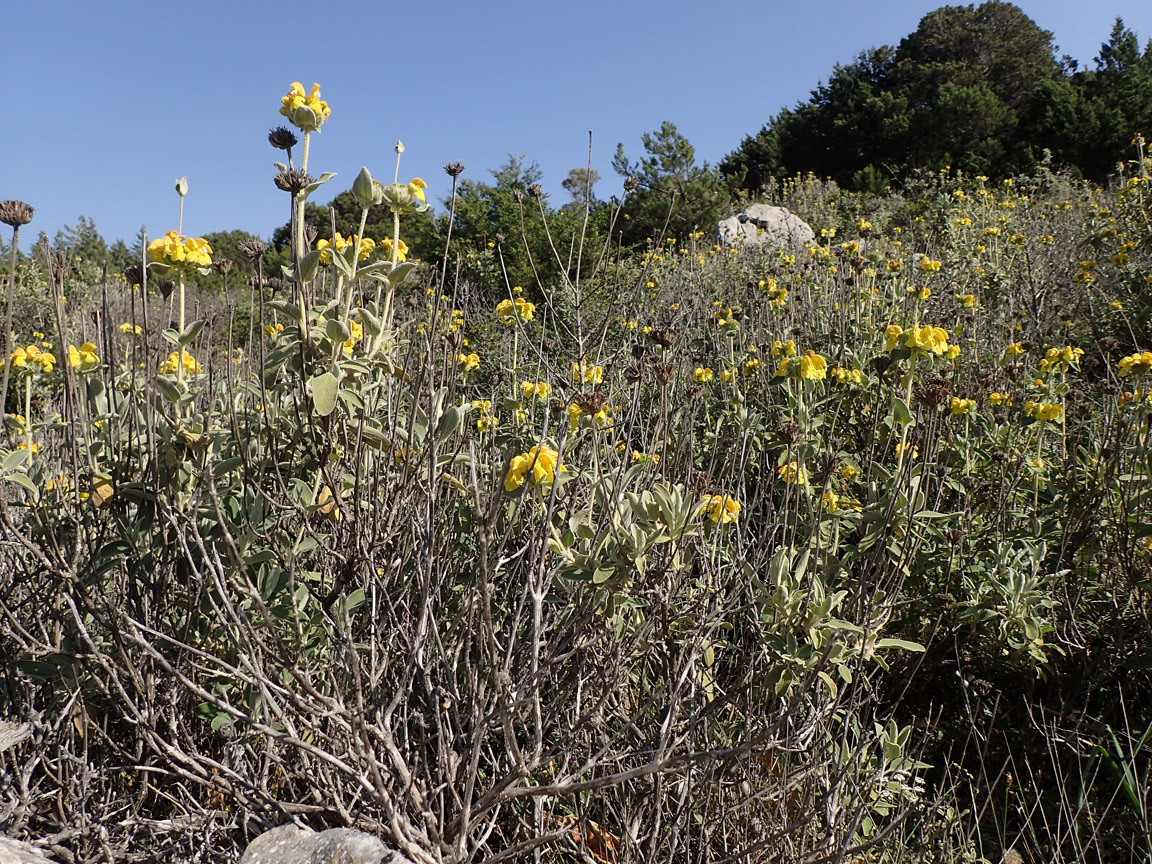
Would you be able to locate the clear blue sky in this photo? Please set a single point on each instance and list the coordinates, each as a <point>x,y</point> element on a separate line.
<point>110,102</point>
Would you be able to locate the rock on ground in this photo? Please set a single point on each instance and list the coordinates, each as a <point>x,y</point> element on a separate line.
<point>17,852</point>
<point>763,224</point>
<point>291,845</point>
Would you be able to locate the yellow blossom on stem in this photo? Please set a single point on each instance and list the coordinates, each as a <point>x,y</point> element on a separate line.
<point>307,112</point>
<point>539,464</point>
<point>721,509</point>
<point>793,474</point>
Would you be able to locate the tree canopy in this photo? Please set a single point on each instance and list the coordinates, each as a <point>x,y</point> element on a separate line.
<point>974,87</point>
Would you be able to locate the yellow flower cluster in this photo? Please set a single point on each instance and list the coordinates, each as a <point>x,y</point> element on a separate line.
<point>386,246</point>
<point>84,357</point>
<point>33,359</point>
<point>962,406</point>
<point>721,509</point>
<point>543,462</point>
<point>1060,359</point>
<point>1000,399</point>
<point>1136,364</point>
<point>306,112</point>
<point>487,421</point>
<point>793,473</point>
<point>130,329</point>
<point>535,389</point>
<point>468,362</point>
<point>927,265</point>
<point>367,246</point>
<point>1050,411</point>
<point>783,349</point>
<point>589,374</point>
<point>702,374</point>
<point>175,250</point>
<point>926,340</point>
<point>847,376</point>
<point>357,333</point>
<point>511,311</point>
<point>191,367</point>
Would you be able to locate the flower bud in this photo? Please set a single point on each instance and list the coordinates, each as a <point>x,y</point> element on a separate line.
<point>363,188</point>
<point>182,186</point>
<point>399,147</point>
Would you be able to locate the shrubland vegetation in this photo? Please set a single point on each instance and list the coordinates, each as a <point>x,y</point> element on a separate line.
<point>509,533</point>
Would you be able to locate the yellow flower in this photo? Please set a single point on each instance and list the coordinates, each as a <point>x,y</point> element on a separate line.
<point>273,329</point>
<point>468,362</point>
<point>509,311</point>
<point>892,334</point>
<point>357,333</point>
<point>130,329</point>
<point>386,246</point>
<point>849,472</point>
<point>968,301</point>
<point>702,374</point>
<point>794,474</point>
<point>1014,349</point>
<point>175,250</point>
<point>645,458</point>
<point>582,371</point>
<point>900,448</point>
<point>783,349</point>
<point>928,339</point>
<point>417,186</point>
<point>45,360</point>
<point>1000,399</point>
<point>962,406</point>
<point>1044,411</point>
<point>542,461</point>
<point>812,366</point>
<point>306,112</point>
<point>1136,364</point>
<point>829,500</point>
<point>847,376</point>
<point>535,389</point>
<point>721,509</point>
<point>190,365</point>
<point>927,265</point>
<point>84,357</point>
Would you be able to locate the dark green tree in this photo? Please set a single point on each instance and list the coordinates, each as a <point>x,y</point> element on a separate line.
<point>674,195</point>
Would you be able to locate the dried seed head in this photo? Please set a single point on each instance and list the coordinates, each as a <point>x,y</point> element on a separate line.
<point>738,314</point>
<point>253,249</point>
<point>15,213</point>
<point>631,184</point>
<point>275,284</point>
<point>499,238</point>
<point>664,372</point>
<point>310,233</point>
<point>881,364</point>
<point>634,373</point>
<point>548,346</point>
<point>454,169</point>
<point>134,274</point>
<point>59,267</point>
<point>665,337</point>
<point>828,465</point>
<point>223,266</point>
<point>592,401</point>
<point>517,196</point>
<point>293,180</point>
<point>788,433</point>
<point>934,392</point>
<point>282,138</point>
<point>536,190</point>
<point>454,338</point>
<point>166,286</point>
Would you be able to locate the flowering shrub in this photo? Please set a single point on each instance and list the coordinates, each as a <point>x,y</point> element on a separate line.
<point>652,545</point>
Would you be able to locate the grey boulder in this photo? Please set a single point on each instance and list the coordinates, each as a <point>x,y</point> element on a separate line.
<point>291,845</point>
<point>763,224</point>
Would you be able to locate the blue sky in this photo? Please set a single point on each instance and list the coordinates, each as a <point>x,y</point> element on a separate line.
<point>109,103</point>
